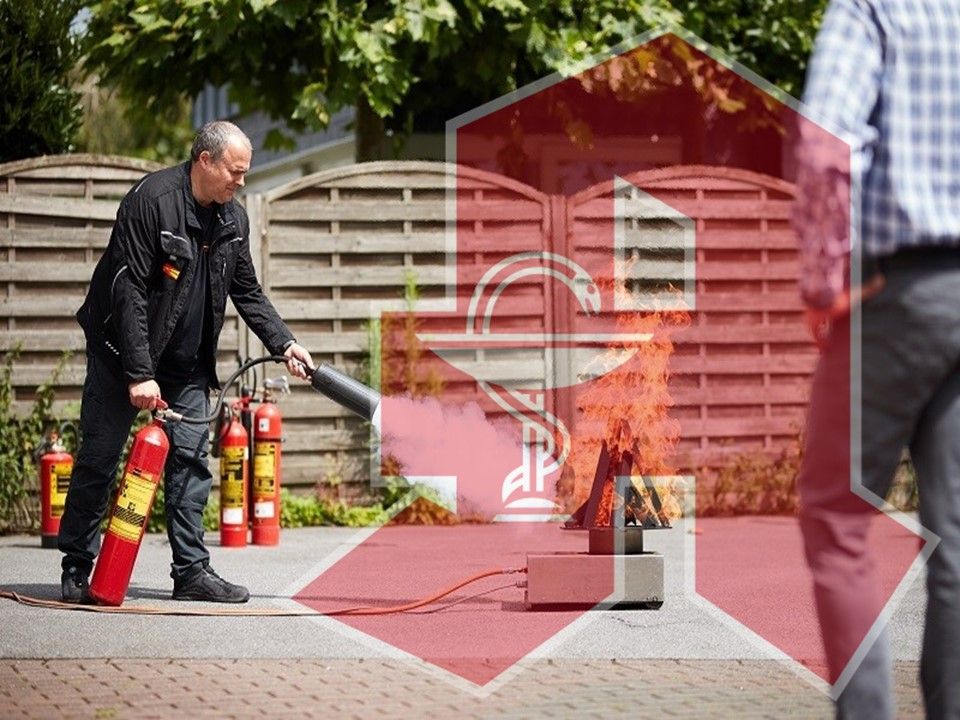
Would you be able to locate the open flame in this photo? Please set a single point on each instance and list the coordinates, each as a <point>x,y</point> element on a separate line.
<point>625,404</point>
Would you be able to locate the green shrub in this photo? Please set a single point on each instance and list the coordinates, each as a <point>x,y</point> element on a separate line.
<point>309,511</point>
<point>38,52</point>
<point>19,439</point>
<point>757,483</point>
<point>296,511</point>
<point>158,518</point>
<point>420,504</point>
<point>754,483</point>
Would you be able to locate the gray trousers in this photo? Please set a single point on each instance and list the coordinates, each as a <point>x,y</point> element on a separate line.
<point>910,398</point>
<point>105,419</point>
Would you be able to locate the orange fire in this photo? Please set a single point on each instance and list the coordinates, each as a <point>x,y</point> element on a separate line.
<point>627,408</point>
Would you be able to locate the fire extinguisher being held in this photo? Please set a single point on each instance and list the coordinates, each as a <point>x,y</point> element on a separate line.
<point>130,513</point>
<point>234,467</point>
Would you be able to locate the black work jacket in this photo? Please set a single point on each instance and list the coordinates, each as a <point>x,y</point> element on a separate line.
<point>141,283</point>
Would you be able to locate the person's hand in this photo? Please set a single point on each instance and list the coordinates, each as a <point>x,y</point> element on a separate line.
<point>145,395</point>
<point>299,369</point>
<point>820,320</point>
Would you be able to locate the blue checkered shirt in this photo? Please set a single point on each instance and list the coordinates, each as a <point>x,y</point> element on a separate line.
<point>885,78</point>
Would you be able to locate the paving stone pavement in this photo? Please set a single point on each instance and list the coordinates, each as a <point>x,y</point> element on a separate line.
<point>676,662</point>
<point>104,689</point>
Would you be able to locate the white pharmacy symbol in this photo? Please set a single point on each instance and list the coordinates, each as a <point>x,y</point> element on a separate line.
<point>643,225</point>
<point>524,487</point>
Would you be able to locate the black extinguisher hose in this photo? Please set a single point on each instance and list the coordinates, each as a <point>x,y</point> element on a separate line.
<point>342,389</point>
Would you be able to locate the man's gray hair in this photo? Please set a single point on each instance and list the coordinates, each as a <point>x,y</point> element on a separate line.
<point>214,138</point>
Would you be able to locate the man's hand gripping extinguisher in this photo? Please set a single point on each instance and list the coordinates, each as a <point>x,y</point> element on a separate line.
<point>148,455</point>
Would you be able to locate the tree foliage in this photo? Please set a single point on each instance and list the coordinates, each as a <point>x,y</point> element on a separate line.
<point>410,63</point>
<point>773,38</point>
<point>39,111</point>
<point>115,124</point>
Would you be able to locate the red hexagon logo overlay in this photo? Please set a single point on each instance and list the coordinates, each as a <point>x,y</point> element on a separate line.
<point>621,304</point>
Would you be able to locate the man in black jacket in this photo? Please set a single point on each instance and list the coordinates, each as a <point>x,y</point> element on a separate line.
<point>152,318</point>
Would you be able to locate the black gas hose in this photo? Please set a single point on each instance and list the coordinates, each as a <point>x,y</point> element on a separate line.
<point>326,379</point>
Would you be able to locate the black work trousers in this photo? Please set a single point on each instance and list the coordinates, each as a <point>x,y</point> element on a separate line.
<point>105,419</point>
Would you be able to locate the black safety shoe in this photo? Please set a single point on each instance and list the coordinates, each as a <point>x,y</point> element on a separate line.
<point>206,585</point>
<point>75,587</point>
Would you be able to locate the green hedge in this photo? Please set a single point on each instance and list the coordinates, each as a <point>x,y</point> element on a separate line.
<point>295,511</point>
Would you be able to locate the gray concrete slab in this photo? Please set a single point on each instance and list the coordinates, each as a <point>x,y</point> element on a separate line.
<point>682,661</point>
<point>681,629</point>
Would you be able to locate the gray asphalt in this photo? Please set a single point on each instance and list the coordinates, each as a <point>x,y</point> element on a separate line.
<point>682,629</point>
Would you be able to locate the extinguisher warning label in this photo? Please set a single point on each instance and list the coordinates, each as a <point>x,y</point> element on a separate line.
<point>231,477</point>
<point>59,483</point>
<point>265,469</point>
<point>133,506</point>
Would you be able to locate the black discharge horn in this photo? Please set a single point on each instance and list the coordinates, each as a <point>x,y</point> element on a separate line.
<point>346,391</point>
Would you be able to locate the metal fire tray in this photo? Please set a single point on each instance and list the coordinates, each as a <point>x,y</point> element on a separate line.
<point>616,571</point>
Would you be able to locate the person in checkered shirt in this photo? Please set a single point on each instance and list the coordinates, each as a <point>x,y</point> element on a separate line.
<point>885,80</point>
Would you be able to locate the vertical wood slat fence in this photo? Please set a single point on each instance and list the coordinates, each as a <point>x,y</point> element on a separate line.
<point>335,248</point>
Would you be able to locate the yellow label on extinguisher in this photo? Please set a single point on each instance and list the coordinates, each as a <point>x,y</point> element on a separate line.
<point>231,477</point>
<point>265,469</point>
<point>133,506</point>
<point>59,484</point>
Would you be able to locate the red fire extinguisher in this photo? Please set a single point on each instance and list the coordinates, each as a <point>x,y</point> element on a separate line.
<point>56,467</point>
<point>234,465</point>
<point>128,519</point>
<point>267,423</point>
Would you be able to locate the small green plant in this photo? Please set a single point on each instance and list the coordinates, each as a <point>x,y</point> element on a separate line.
<point>309,511</point>
<point>158,516</point>
<point>753,483</point>
<point>402,366</point>
<point>296,511</point>
<point>19,439</point>
<point>757,483</point>
<point>415,504</point>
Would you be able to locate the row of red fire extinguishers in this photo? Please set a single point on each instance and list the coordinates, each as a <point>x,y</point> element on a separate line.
<point>250,490</point>
<point>249,501</point>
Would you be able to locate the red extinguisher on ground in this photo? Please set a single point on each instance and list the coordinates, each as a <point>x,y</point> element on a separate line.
<point>234,466</point>
<point>267,438</point>
<point>56,467</point>
<point>130,513</point>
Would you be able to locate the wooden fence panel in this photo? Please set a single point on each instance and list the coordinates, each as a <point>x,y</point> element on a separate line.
<point>56,214</point>
<point>740,371</point>
<point>336,248</point>
<point>340,247</point>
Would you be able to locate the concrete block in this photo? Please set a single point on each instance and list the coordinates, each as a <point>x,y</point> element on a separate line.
<point>603,581</point>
